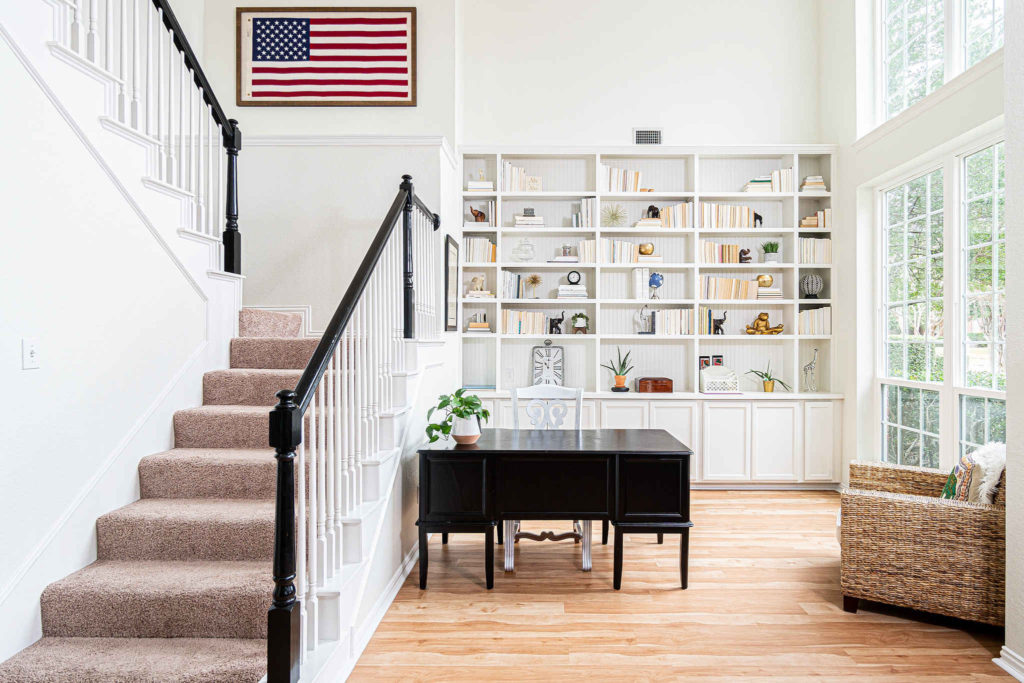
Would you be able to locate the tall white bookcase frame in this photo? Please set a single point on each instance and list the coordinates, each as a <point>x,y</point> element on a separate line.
<point>493,363</point>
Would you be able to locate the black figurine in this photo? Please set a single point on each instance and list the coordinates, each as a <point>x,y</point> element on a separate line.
<point>758,220</point>
<point>555,324</point>
<point>719,324</point>
<point>744,256</point>
<point>653,212</point>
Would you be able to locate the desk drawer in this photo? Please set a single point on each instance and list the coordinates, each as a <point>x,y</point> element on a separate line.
<point>653,489</point>
<point>453,488</point>
<point>550,487</point>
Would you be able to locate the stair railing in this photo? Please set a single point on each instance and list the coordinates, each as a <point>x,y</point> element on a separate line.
<point>164,98</point>
<point>327,427</point>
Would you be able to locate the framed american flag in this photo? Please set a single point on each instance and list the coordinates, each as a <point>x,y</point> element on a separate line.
<point>326,56</point>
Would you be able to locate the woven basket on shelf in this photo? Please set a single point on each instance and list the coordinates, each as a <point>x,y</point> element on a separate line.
<point>719,379</point>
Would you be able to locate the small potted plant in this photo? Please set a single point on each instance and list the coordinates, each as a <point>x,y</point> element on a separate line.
<point>620,369</point>
<point>462,415</point>
<point>771,252</point>
<point>580,323</point>
<point>768,380</point>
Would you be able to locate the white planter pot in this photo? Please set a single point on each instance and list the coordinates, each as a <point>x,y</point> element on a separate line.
<point>773,258</point>
<point>465,430</point>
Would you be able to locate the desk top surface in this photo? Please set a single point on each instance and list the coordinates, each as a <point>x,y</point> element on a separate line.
<point>583,442</point>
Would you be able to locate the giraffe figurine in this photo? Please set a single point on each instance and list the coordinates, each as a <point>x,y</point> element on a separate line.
<point>810,381</point>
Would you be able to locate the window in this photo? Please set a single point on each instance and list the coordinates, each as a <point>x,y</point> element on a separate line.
<point>915,56</point>
<point>913,279</point>
<point>942,388</point>
<point>983,29</point>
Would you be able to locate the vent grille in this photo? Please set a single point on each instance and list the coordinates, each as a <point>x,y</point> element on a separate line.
<point>647,136</point>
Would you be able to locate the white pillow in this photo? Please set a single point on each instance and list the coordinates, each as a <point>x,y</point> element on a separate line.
<point>991,458</point>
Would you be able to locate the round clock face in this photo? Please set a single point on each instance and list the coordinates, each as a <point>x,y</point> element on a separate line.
<point>573,277</point>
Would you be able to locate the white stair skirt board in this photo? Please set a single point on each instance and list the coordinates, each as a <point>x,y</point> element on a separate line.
<point>1011,662</point>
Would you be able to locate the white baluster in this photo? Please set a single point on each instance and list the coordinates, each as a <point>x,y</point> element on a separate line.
<point>181,100</point>
<point>371,342</point>
<point>321,485</point>
<point>361,377</point>
<point>220,201</point>
<point>136,64</point>
<point>148,85</point>
<point>171,161</point>
<point>347,408</point>
<point>91,37</point>
<point>312,545</point>
<point>158,95</point>
<point>108,38</point>
<point>300,537</point>
<point>334,530</point>
<point>211,150</point>
<point>194,97</point>
<point>397,296</point>
<point>204,142</point>
<point>122,65</point>
<point>75,39</point>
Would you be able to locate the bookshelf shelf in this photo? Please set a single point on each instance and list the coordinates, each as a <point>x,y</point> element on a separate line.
<point>576,179</point>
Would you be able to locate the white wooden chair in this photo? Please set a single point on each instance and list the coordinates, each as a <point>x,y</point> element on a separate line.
<point>546,408</point>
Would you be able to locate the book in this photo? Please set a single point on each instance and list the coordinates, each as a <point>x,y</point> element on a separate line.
<point>712,215</point>
<point>762,183</point>
<point>649,258</point>
<point>815,251</point>
<point>619,179</point>
<point>480,186</point>
<point>813,183</point>
<point>816,321</point>
<point>584,218</point>
<point>713,252</point>
<point>479,250</point>
<point>640,278</point>
<point>564,259</point>
<point>678,215</point>
<point>727,288</point>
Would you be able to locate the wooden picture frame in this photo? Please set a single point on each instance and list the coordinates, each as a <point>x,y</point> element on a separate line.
<point>241,23</point>
<point>451,284</point>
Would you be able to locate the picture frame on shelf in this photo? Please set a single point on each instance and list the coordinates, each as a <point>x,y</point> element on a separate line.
<point>451,284</point>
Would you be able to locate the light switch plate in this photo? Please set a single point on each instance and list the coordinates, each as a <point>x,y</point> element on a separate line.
<point>29,353</point>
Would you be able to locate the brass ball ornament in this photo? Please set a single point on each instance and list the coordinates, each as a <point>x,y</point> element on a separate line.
<point>765,280</point>
<point>647,248</point>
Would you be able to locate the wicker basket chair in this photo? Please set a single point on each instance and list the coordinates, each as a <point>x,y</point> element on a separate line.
<point>903,545</point>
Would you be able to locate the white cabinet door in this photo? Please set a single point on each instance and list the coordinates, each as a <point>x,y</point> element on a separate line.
<point>678,418</point>
<point>726,441</point>
<point>504,416</point>
<point>819,441</point>
<point>776,440</point>
<point>624,414</point>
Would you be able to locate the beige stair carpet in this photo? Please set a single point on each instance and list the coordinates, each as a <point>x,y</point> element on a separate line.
<point>182,583</point>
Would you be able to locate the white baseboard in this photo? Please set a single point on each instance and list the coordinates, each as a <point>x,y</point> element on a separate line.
<point>1010,662</point>
<point>364,632</point>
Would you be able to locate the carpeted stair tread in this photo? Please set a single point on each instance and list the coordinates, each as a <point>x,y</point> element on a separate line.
<point>247,386</point>
<point>222,427</point>
<point>203,529</point>
<point>138,660</point>
<point>281,353</point>
<point>256,322</point>
<point>160,599</point>
<point>209,473</point>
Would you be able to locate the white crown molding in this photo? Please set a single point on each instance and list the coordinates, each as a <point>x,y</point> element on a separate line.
<point>975,73</point>
<point>354,141</point>
<point>652,150</point>
<point>1010,662</point>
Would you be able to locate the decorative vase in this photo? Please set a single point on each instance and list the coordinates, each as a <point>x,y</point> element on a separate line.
<point>811,285</point>
<point>769,385</point>
<point>773,258</point>
<point>620,383</point>
<point>465,430</point>
<point>524,251</point>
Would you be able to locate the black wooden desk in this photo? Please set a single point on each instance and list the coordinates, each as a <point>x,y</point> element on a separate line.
<point>638,479</point>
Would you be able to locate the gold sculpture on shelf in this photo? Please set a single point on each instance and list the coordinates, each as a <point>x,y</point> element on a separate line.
<point>647,248</point>
<point>762,326</point>
<point>765,280</point>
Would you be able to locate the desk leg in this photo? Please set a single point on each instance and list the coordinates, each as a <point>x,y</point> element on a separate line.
<point>489,556</point>
<point>661,538</point>
<point>617,576</point>
<point>444,539</point>
<point>501,528</point>
<point>587,533</point>
<point>423,559</point>
<point>604,532</point>
<point>510,546</point>
<point>684,556</point>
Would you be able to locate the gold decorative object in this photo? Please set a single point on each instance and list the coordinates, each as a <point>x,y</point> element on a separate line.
<point>533,281</point>
<point>762,326</point>
<point>613,216</point>
<point>765,280</point>
<point>647,248</point>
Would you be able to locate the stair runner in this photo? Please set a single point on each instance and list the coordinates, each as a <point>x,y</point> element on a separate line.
<point>182,581</point>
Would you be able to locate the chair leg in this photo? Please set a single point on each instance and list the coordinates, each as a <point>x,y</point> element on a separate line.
<point>489,557</point>
<point>661,538</point>
<point>501,530</point>
<point>576,528</point>
<point>444,538</point>
<point>850,604</point>
<point>604,532</point>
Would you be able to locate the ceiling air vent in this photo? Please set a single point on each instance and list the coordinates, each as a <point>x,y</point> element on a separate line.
<point>647,136</point>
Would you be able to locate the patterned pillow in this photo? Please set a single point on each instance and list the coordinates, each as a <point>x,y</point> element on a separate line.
<point>975,477</point>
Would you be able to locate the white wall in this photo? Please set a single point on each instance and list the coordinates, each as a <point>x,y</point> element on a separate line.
<point>1014,75</point>
<point>588,71</point>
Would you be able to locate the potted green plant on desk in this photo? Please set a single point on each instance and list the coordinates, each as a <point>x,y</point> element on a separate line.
<point>620,369</point>
<point>461,421</point>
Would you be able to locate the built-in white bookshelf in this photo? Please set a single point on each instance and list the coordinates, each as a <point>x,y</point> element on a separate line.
<point>501,360</point>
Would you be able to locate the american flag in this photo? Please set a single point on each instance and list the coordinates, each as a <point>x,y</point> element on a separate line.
<point>334,56</point>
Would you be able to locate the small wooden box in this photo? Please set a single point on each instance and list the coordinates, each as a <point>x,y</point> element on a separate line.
<point>654,385</point>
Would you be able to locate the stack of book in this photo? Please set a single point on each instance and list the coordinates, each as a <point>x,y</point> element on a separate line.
<point>479,294</point>
<point>479,250</point>
<point>713,215</point>
<point>727,288</point>
<point>564,259</point>
<point>815,251</point>
<point>515,179</point>
<point>524,322</point>
<point>769,292</point>
<point>782,180</point>
<point>525,221</point>
<point>572,291</point>
<point>619,179</point>
<point>713,252</point>
<point>480,186</point>
<point>704,320</point>
<point>678,215</point>
<point>762,183</point>
<point>820,219</point>
<point>649,223</point>
<point>584,218</point>
<point>672,321</point>
<point>813,183</point>
<point>513,285</point>
<point>477,324</point>
<point>613,251</point>
<point>816,321</point>
<point>641,286</point>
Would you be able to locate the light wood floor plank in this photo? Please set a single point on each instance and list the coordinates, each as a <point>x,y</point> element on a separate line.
<point>763,605</point>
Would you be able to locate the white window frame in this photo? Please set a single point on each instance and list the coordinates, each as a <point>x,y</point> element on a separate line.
<point>951,161</point>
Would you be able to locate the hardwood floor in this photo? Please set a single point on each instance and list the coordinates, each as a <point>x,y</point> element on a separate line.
<point>763,603</point>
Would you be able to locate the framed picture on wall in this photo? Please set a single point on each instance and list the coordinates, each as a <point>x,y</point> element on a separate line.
<point>325,56</point>
<point>451,284</point>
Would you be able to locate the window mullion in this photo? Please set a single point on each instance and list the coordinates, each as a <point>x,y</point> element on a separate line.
<point>953,38</point>
<point>952,215</point>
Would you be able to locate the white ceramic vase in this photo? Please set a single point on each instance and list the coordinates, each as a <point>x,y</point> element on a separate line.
<point>465,430</point>
<point>773,258</point>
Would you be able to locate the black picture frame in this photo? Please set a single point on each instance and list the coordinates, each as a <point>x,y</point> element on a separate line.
<point>451,284</point>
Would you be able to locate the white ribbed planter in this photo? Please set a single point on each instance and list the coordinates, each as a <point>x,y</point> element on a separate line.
<point>465,430</point>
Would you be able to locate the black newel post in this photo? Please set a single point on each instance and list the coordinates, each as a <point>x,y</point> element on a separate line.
<point>232,238</point>
<point>283,625</point>
<point>409,296</point>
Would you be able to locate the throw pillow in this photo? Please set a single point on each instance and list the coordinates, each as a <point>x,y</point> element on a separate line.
<point>975,477</point>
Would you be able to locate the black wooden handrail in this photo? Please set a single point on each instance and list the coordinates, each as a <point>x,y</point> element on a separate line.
<point>230,135</point>
<point>283,618</point>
